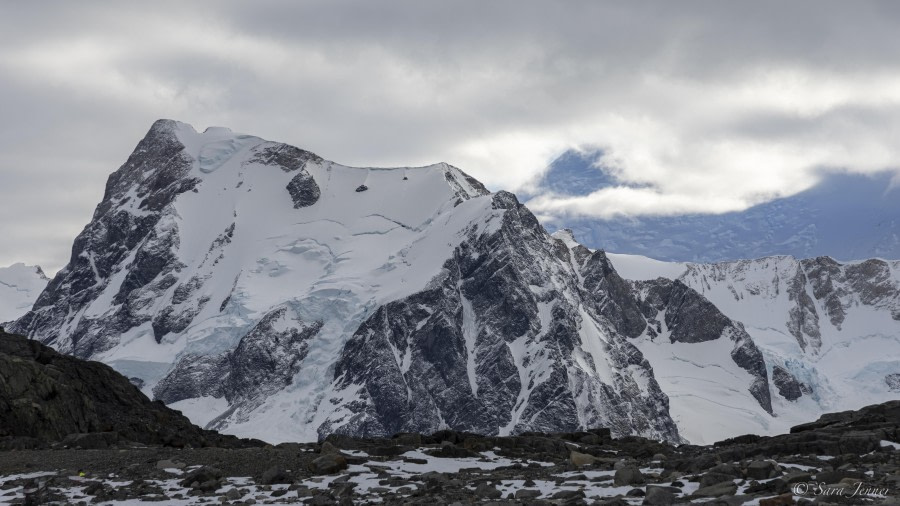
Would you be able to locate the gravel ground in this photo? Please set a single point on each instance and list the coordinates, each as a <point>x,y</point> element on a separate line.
<point>459,469</point>
<point>142,462</point>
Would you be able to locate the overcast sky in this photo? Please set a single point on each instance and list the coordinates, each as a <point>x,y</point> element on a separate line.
<point>711,105</point>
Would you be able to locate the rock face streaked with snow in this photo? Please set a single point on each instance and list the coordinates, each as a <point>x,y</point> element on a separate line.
<point>272,293</point>
<point>20,286</point>
<point>845,216</point>
<point>829,333</point>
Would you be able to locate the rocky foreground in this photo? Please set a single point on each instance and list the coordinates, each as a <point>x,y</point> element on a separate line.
<point>844,458</point>
<point>48,397</point>
<point>78,432</point>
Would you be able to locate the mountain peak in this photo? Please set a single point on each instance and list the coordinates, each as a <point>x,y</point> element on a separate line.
<point>243,281</point>
<point>183,195</point>
<point>225,270</point>
<point>566,236</point>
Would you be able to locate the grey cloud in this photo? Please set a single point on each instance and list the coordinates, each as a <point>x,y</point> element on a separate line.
<point>677,93</point>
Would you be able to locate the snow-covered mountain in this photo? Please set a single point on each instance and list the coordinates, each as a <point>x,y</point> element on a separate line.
<point>268,292</point>
<point>20,286</point>
<point>845,216</point>
<point>829,332</point>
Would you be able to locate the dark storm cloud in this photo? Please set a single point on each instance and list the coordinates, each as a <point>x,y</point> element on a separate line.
<point>690,97</point>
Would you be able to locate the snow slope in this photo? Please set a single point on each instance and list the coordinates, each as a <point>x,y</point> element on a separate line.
<point>832,329</point>
<point>20,286</point>
<point>641,268</point>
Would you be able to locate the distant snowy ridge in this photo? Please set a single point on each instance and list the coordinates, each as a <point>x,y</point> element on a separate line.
<point>844,216</point>
<point>829,331</point>
<point>20,286</point>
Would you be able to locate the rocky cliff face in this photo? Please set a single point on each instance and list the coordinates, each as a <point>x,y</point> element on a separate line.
<point>506,340</point>
<point>124,232</point>
<point>243,280</point>
<point>688,317</point>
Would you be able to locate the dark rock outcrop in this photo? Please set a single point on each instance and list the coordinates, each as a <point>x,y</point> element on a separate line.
<point>303,189</point>
<point>691,318</point>
<point>893,381</point>
<point>787,384</point>
<point>803,322</point>
<point>849,432</point>
<point>284,156</point>
<point>53,397</point>
<point>264,361</point>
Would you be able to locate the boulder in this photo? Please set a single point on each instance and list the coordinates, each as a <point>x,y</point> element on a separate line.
<point>628,475</point>
<point>487,491</point>
<point>781,500</point>
<point>275,474</point>
<point>328,464</point>
<point>716,490</point>
<point>451,451</point>
<point>713,478</point>
<point>234,494</point>
<point>205,479</point>
<point>660,496</point>
<point>760,470</point>
<point>328,448</point>
<point>414,440</point>
<point>581,459</point>
<point>524,494</point>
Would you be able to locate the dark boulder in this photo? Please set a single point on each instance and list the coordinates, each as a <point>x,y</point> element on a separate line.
<point>206,479</point>
<point>275,474</point>
<point>328,464</point>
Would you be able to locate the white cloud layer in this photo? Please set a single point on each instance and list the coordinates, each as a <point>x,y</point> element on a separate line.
<point>715,105</point>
